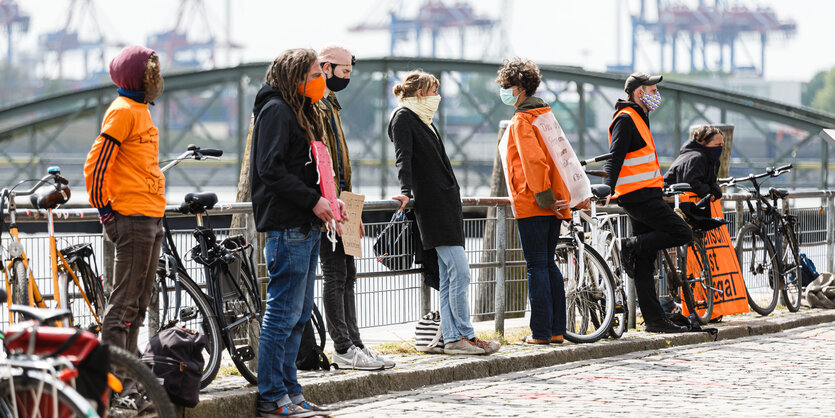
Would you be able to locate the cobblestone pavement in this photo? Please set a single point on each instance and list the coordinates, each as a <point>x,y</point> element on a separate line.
<point>784,374</point>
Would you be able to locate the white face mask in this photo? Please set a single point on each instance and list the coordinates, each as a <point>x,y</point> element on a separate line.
<point>425,107</point>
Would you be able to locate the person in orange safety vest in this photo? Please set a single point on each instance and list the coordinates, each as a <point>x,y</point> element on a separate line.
<point>634,175</point>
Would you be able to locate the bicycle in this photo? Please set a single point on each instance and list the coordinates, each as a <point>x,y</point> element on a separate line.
<point>602,233</point>
<point>229,313</point>
<point>68,265</point>
<point>758,241</point>
<point>685,270</point>
<point>47,355</point>
<point>589,283</point>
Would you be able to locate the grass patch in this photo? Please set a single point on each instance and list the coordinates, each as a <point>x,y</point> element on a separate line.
<point>401,347</point>
<point>228,370</point>
<point>511,335</point>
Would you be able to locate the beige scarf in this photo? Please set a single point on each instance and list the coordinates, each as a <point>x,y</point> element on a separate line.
<point>425,107</point>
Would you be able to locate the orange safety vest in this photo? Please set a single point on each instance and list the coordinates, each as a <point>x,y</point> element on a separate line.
<point>640,168</point>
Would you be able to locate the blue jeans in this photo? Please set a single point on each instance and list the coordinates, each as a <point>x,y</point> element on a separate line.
<point>291,261</point>
<point>455,281</point>
<point>546,289</point>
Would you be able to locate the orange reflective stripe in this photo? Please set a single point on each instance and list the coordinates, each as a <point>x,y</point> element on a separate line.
<point>640,168</point>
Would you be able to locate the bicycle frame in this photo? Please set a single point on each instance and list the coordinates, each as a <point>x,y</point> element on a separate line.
<point>759,218</point>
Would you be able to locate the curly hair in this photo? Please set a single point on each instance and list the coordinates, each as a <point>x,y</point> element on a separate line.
<point>414,81</point>
<point>152,82</point>
<point>704,134</point>
<point>287,71</point>
<point>519,72</point>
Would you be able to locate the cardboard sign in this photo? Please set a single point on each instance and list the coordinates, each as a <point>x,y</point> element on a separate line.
<point>351,238</point>
<point>724,268</point>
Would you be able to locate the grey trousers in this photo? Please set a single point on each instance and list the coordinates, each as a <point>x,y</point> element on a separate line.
<point>137,240</point>
<point>338,295</point>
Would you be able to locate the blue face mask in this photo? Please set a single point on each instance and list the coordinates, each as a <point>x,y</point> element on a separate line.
<point>507,96</point>
<point>714,153</point>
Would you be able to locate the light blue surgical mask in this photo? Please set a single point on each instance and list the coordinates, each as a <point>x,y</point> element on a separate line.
<point>507,96</point>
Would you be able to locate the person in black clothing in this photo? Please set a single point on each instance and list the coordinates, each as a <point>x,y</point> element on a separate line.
<point>634,174</point>
<point>426,175</point>
<point>698,162</point>
<point>290,209</point>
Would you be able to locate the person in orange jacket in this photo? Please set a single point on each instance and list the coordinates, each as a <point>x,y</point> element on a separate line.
<point>539,195</point>
<point>127,187</point>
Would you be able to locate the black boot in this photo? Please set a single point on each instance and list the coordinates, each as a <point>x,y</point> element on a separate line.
<point>628,258</point>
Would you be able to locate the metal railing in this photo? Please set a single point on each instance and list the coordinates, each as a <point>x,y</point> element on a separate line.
<point>498,287</point>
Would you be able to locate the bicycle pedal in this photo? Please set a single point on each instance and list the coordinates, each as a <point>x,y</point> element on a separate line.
<point>245,353</point>
<point>188,313</point>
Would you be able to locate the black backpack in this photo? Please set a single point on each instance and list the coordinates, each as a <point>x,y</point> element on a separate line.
<point>176,356</point>
<point>312,353</point>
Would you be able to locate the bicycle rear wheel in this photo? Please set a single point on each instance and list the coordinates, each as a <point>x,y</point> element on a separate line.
<point>697,285</point>
<point>19,283</point>
<point>791,277</point>
<point>38,394</point>
<point>142,394</point>
<point>589,292</point>
<point>245,310</point>
<point>194,313</point>
<point>757,261</point>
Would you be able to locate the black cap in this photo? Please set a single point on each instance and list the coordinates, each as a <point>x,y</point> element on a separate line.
<point>640,79</point>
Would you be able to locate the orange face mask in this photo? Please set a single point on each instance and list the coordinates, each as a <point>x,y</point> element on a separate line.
<point>314,89</point>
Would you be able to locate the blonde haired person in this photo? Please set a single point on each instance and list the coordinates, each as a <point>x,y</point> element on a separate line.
<point>426,176</point>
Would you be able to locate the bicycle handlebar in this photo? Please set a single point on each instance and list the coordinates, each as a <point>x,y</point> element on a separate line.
<point>769,172</point>
<point>602,157</point>
<point>196,152</point>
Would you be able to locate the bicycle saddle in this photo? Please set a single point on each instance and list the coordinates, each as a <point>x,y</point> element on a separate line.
<point>600,191</point>
<point>40,314</point>
<point>680,188</point>
<point>778,193</point>
<point>57,196</point>
<point>195,203</point>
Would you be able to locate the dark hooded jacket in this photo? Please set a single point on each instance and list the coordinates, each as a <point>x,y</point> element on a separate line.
<point>425,173</point>
<point>625,139</point>
<point>284,186</point>
<point>694,166</point>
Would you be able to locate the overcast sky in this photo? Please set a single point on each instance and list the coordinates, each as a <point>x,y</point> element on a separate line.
<point>570,32</point>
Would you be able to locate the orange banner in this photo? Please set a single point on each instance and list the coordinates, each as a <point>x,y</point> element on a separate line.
<point>730,296</point>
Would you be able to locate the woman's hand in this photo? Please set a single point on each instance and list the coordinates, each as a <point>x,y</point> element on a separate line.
<point>559,205</point>
<point>343,209</point>
<point>584,204</point>
<point>403,200</point>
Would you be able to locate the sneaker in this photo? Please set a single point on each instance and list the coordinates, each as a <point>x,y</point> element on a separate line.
<point>664,326</point>
<point>272,409</point>
<point>355,359</point>
<point>627,255</point>
<point>316,409</point>
<point>133,402</point>
<point>489,347</point>
<point>463,346</point>
<point>387,362</point>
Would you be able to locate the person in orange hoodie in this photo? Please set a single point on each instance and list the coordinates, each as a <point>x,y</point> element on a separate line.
<point>539,195</point>
<point>127,187</point>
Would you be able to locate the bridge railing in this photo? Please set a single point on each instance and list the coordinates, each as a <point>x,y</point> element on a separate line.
<point>386,297</point>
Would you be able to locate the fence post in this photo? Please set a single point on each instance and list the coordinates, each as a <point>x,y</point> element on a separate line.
<point>830,232</point>
<point>501,243</point>
<point>425,298</point>
<point>107,260</point>
<point>739,217</point>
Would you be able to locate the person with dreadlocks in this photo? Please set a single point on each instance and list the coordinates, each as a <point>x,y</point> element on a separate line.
<point>125,184</point>
<point>290,209</point>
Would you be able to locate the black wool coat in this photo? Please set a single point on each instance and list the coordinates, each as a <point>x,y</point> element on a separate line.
<point>426,175</point>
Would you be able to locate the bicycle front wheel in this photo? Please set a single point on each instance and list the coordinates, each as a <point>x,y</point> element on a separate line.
<point>697,286</point>
<point>39,394</point>
<point>19,283</point>
<point>589,292</point>
<point>791,277</point>
<point>142,394</point>
<point>757,261</point>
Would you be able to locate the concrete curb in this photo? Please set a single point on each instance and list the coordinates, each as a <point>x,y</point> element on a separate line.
<point>353,385</point>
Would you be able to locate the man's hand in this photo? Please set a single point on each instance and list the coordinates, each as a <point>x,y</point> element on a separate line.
<point>403,200</point>
<point>107,217</point>
<point>322,210</point>
<point>338,228</point>
<point>608,199</point>
<point>362,229</point>
<point>584,204</point>
<point>559,205</point>
<point>343,209</point>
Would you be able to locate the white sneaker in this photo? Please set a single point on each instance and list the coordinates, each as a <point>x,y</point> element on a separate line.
<point>357,360</point>
<point>387,362</point>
